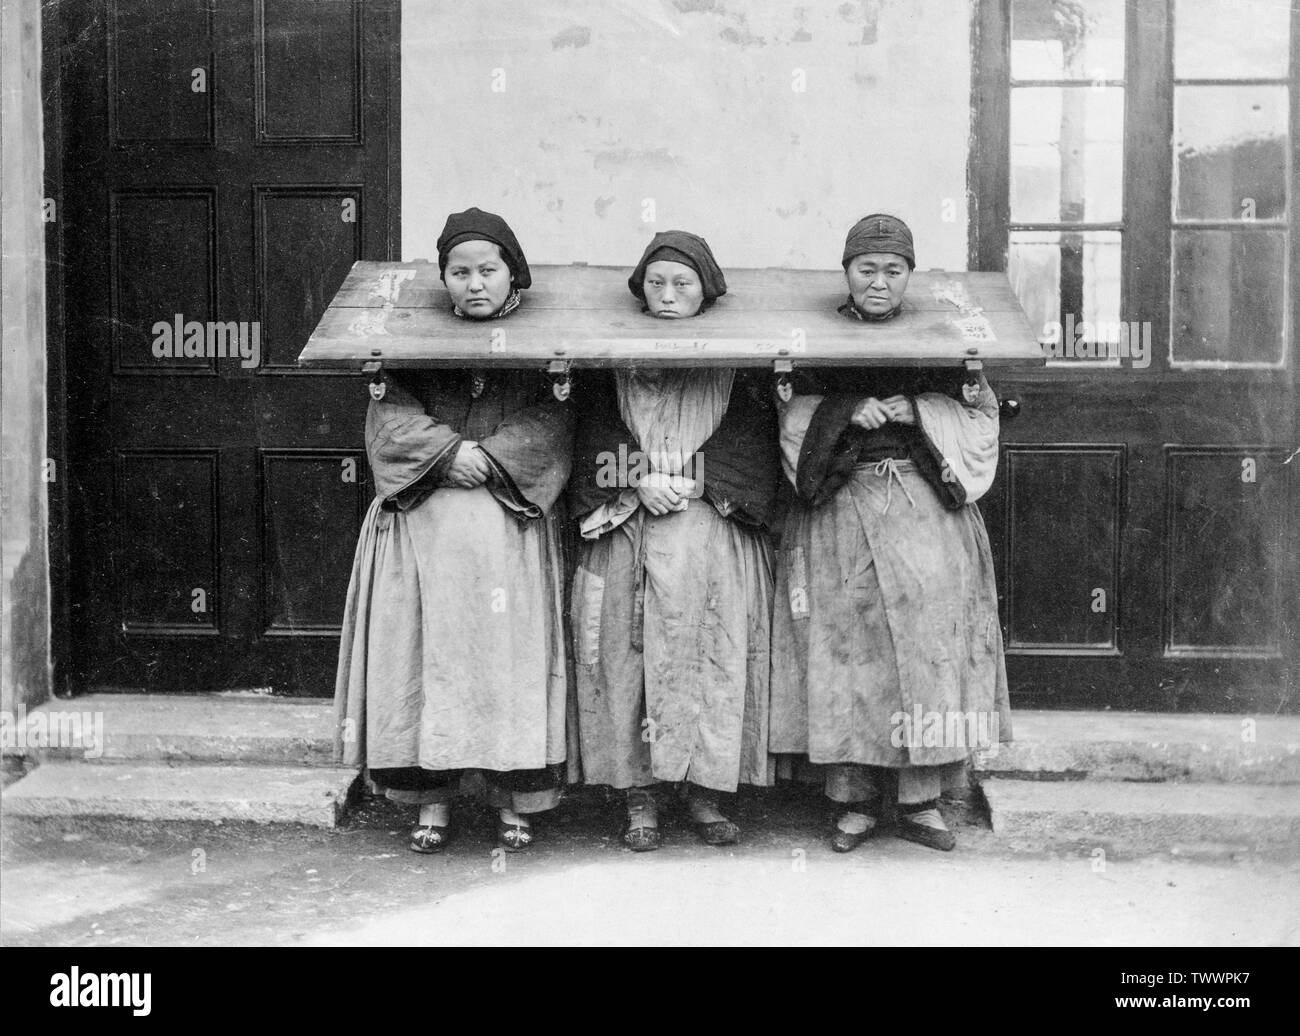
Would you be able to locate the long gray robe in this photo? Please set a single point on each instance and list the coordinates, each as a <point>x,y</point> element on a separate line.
<point>886,606</point>
<point>671,614</point>
<point>452,654</point>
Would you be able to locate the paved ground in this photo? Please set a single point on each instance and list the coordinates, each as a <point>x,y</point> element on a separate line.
<point>105,883</point>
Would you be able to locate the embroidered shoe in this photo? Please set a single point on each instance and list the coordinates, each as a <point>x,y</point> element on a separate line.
<point>642,832</point>
<point>718,832</point>
<point>642,839</point>
<point>513,838</point>
<point>429,839</point>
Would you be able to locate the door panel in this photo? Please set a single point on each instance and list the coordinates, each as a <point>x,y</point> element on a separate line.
<point>311,517</point>
<point>151,48</point>
<point>168,541</point>
<point>308,85</point>
<point>225,162</point>
<point>153,281</point>
<point>1224,530</point>
<point>304,249</point>
<point>1061,562</point>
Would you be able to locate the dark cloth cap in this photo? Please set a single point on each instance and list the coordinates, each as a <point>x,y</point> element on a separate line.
<point>477,225</point>
<point>879,233</point>
<point>680,247</point>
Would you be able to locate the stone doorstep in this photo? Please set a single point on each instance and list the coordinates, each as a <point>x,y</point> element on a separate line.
<point>1146,746</point>
<point>1107,745</point>
<point>1134,817</point>
<point>213,728</point>
<point>316,796</point>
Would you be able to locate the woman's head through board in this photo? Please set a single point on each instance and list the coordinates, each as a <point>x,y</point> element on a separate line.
<point>677,276</point>
<point>481,263</point>
<point>878,262</point>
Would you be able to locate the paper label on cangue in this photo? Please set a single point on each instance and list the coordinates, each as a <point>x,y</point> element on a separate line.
<point>680,344</point>
<point>389,285</point>
<point>975,329</point>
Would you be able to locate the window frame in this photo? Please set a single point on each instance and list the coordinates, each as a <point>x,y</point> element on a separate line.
<point>1146,223</point>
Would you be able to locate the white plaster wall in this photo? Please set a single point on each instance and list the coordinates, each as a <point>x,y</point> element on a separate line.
<point>601,104</point>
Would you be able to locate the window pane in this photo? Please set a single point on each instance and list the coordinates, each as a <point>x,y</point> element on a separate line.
<point>1067,39</point>
<point>1229,295</point>
<point>1066,280</point>
<point>1230,144</point>
<point>1067,154</point>
<point>1232,39</point>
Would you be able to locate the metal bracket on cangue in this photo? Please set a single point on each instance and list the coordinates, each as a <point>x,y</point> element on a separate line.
<point>559,373</point>
<point>378,387</point>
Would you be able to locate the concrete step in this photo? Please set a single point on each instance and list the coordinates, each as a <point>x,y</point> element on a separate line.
<point>217,728</point>
<point>1148,746</point>
<point>316,795</point>
<point>1131,818</point>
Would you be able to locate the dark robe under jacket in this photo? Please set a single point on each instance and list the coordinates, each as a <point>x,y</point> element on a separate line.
<point>740,459</point>
<point>452,652</point>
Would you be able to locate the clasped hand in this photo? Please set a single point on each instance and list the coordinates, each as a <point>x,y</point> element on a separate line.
<point>873,412</point>
<point>469,468</point>
<point>661,493</point>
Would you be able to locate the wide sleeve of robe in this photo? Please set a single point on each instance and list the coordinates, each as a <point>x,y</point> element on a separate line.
<point>963,439</point>
<point>531,453</point>
<point>955,446</point>
<point>409,450</point>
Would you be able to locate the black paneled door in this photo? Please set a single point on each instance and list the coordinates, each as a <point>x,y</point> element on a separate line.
<point>225,162</point>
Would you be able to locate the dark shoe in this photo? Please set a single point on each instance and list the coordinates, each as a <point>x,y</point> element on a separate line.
<point>429,839</point>
<point>642,839</point>
<point>642,832</point>
<point>712,832</point>
<point>931,837</point>
<point>719,832</point>
<point>513,838</point>
<point>846,841</point>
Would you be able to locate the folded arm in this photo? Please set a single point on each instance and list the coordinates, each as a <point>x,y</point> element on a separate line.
<point>530,454</point>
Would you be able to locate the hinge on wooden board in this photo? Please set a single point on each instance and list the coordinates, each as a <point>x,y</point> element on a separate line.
<point>377,384</point>
<point>784,386</point>
<point>970,390</point>
<point>560,384</point>
<point>1008,409</point>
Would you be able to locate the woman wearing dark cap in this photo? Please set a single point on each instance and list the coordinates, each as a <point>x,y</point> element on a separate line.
<point>452,656</point>
<point>675,473</point>
<point>887,658</point>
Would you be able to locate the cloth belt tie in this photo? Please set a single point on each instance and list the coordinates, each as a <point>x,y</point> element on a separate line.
<point>888,470</point>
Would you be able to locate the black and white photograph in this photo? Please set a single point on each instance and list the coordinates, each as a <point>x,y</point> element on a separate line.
<point>651,474</point>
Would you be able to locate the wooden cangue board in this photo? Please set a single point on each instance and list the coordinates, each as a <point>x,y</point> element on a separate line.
<point>399,315</point>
